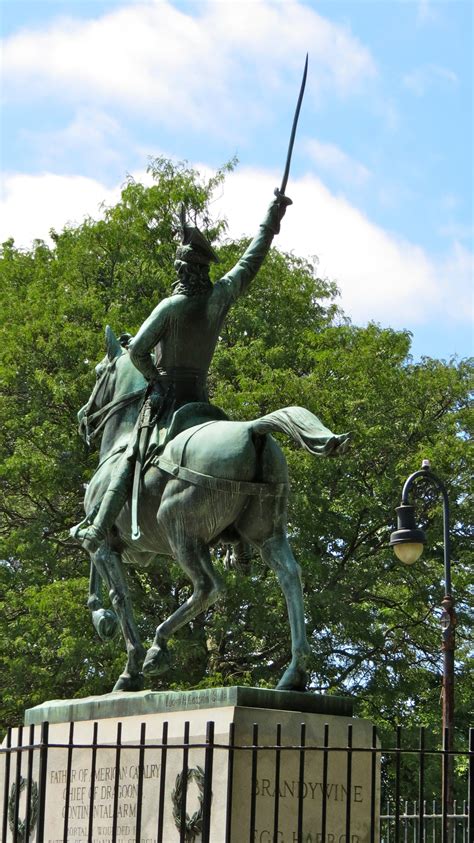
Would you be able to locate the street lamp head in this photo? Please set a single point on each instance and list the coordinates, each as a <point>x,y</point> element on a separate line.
<point>407,551</point>
<point>408,540</point>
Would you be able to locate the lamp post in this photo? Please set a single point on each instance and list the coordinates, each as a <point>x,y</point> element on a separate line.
<point>407,542</point>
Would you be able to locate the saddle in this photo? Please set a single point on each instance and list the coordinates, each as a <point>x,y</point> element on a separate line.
<point>191,415</point>
<point>186,417</point>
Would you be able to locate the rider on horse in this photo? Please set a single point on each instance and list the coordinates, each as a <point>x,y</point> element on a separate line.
<point>183,331</point>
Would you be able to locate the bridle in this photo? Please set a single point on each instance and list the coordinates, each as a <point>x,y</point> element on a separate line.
<point>88,419</point>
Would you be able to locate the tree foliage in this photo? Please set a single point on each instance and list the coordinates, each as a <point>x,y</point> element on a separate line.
<point>374,624</point>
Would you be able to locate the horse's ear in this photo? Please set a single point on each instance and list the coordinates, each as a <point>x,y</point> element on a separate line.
<point>114,349</point>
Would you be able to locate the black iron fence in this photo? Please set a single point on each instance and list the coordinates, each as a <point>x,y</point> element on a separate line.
<point>230,788</point>
<point>409,820</point>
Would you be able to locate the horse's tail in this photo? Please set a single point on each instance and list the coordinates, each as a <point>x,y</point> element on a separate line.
<point>305,428</point>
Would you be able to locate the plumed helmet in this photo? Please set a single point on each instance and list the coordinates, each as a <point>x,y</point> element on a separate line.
<point>194,248</point>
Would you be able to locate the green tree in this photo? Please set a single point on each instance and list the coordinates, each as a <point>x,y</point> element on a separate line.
<point>56,302</point>
<point>372,622</point>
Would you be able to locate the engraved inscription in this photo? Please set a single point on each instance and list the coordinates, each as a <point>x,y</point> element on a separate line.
<point>84,796</point>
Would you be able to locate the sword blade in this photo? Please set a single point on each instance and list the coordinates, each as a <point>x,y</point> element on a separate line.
<point>293,128</point>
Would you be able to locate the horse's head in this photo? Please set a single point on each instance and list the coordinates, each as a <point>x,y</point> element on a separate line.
<point>118,384</point>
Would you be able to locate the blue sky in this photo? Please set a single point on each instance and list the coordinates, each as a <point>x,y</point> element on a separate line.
<point>382,171</point>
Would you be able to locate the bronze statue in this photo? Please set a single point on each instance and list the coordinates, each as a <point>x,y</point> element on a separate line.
<point>214,480</point>
<point>198,479</point>
<point>182,331</point>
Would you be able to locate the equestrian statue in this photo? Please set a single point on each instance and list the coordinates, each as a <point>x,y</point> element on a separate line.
<point>175,476</point>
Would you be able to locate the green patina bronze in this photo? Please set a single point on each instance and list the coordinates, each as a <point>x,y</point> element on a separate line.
<point>172,463</point>
<point>173,350</point>
<point>152,702</point>
<point>175,477</point>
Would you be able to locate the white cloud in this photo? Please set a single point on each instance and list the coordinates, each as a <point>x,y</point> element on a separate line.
<point>180,67</point>
<point>334,160</point>
<point>457,270</point>
<point>91,139</point>
<point>427,76</point>
<point>381,277</point>
<point>32,205</point>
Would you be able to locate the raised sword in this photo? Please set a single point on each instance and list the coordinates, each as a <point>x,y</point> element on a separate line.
<point>284,181</point>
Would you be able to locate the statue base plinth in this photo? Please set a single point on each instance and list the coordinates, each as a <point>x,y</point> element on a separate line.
<point>137,751</point>
<point>126,704</point>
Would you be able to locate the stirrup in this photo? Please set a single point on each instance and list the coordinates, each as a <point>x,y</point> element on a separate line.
<point>86,522</point>
<point>74,531</point>
<point>90,537</point>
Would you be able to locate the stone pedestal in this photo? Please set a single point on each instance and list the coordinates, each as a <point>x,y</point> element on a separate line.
<point>94,776</point>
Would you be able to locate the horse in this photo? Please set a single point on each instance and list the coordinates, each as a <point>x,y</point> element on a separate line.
<point>216,481</point>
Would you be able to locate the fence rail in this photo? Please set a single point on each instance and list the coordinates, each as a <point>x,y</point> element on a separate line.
<point>409,819</point>
<point>102,786</point>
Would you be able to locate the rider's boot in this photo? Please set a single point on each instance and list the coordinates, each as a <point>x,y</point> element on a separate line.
<point>91,537</point>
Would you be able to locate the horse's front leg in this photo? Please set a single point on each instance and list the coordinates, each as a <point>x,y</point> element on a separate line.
<point>277,553</point>
<point>104,620</point>
<point>109,566</point>
<point>195,560</point>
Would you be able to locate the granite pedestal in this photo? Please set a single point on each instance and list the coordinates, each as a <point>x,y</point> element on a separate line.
<point>82,783</point>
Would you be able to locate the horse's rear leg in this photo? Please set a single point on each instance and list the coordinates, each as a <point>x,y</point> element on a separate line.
<point>195,561</point>
<point>109,565</point>
<point>263,523</point>
<point>277,553</point>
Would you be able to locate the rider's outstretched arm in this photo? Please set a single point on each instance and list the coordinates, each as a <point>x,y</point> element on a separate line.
<point>238,279</point>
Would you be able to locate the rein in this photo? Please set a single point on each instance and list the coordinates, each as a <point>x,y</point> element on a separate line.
<point>108,410</point>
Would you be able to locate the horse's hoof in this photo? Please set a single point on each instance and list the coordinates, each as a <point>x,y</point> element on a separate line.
<point>293,679</point>
<point>105,623</point>
<point>125,682</point>
<point>157,661</point>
